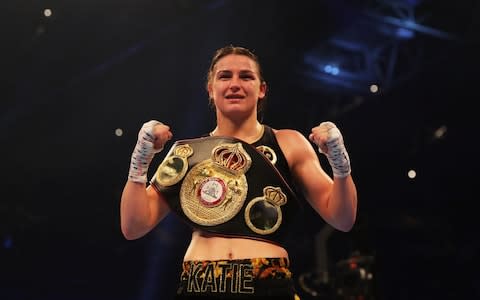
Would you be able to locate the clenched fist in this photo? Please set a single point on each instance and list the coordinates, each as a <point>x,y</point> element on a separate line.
<point>156,133</point>
<point>151,139</point>
<point>330,142</point>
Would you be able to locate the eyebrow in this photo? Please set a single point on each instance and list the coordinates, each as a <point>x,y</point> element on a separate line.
<point>241,72</point>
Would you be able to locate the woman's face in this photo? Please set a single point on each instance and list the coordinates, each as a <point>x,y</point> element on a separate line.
<point>235,85</point>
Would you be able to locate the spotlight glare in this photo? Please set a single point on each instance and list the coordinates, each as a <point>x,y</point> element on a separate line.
<point>118,132</point>
<point>47,12</point>
<point>412,174</point>
<point>440,132</point>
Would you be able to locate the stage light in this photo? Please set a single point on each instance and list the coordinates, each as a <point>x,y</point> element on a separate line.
<point>373,88</point>
<point>404,33</point>
<point>412,174</point>
<point>47,12</point>
<point>118,132</point>
<point>335,70</point>
<point>331,69</point>
<point>440,132</point>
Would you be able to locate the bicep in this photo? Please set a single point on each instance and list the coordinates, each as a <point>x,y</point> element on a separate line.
<point>313,181</point>
<point>158,205</point>
<point>307,171</point>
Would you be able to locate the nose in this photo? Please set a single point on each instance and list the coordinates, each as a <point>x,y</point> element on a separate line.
<point>235,83</point>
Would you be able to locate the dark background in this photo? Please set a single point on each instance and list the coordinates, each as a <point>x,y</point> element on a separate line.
<point>71,79</point>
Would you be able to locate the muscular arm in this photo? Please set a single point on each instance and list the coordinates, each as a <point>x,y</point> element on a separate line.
<point>141,209</point>
<point>334,200</point>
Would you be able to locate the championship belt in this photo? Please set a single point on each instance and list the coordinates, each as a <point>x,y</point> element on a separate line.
<point>225,186</point>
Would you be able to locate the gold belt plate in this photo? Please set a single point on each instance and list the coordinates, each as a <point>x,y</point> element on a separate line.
<point>209,195</point>
<point>214,190</point>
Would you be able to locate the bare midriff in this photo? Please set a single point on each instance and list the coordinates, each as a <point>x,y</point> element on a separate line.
<point>205,246</point>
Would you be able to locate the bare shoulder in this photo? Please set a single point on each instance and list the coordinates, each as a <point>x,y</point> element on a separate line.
<point>289,136</point>
<point>294,144</point>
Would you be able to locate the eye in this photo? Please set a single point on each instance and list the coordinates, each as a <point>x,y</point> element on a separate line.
<point>224,75</point>
<point>247,77</point>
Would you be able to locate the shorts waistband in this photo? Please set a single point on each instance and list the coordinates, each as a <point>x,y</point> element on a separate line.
<point>262,268</point>
<point>239,276</point>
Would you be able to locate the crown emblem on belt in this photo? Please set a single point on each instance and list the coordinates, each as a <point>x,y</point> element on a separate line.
<point>274,195</point>
<point>232,157</point>
<point>183,150</point>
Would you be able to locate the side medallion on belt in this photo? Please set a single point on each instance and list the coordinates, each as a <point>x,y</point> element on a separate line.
<point>269,153</point>
<point>263,214</point>
<point>174,167</point>
<point>215,189</point>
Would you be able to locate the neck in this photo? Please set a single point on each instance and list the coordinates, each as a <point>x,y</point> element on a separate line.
<point>249,130</point>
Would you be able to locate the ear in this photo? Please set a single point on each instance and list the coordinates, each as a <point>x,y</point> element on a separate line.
<point>263,90</point>
<point>209,90</point>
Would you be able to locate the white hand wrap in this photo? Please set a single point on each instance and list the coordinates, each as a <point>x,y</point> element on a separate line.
<point>143,153</point>
<point>337,153</point>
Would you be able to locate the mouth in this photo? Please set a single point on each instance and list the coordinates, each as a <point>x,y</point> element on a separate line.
<point>235,97</point>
